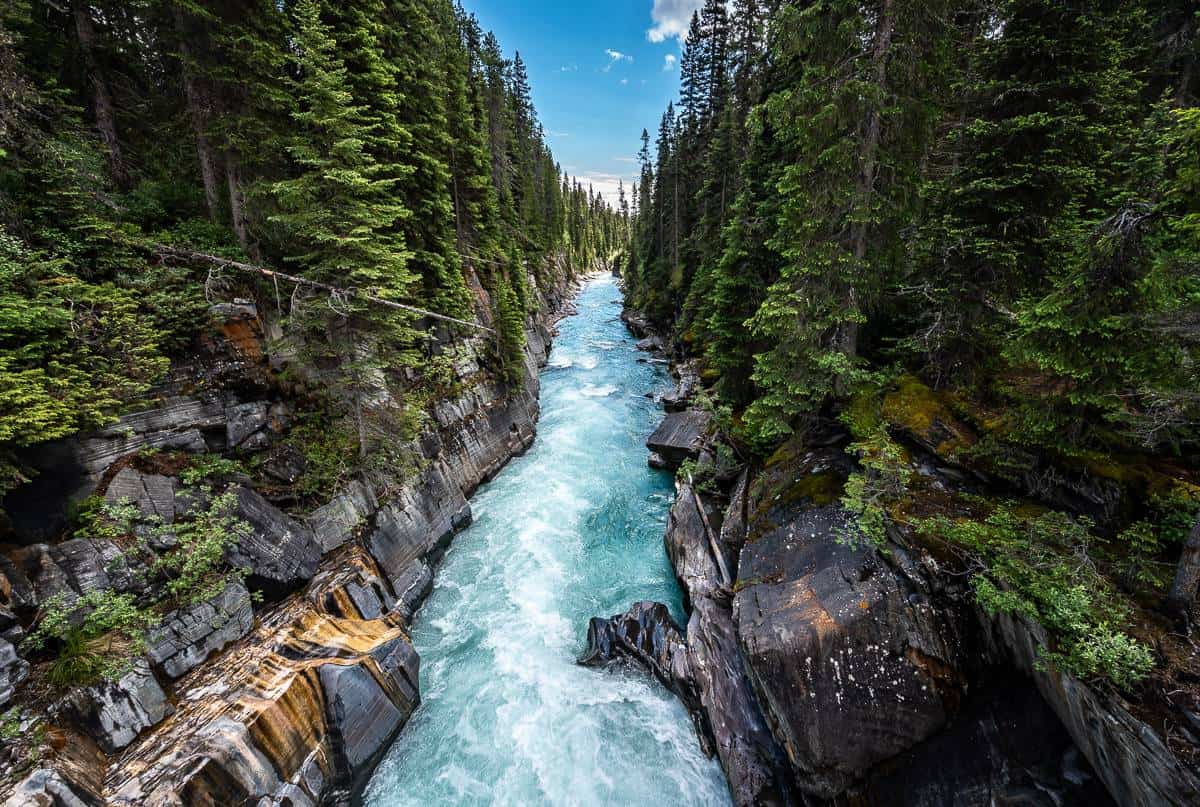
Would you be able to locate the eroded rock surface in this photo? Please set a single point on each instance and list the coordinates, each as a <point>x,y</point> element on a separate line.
<point>188,636</point>
<point>680,436</point>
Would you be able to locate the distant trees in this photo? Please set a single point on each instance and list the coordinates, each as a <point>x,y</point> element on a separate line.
<point>383,145</point>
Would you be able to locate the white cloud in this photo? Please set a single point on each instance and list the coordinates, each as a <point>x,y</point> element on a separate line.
<point>669,61</point>
<point>568,68</point>
<point>605,183</point>
<point>624,81</point>
<point>614,57</point>
<point>671,19</point>
<point>624,159</point>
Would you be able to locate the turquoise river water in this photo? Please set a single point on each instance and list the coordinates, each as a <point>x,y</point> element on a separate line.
<point>571,530</point>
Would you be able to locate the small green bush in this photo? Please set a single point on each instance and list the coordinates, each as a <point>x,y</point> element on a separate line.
<point>1039,567</point>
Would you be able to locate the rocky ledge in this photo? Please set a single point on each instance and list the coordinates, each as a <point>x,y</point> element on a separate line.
<point>823,670</point>
<point>282,690</point>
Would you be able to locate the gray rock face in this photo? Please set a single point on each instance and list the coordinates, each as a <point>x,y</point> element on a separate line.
<point>245,422</point>
<point>36,564</point>
<point>754,763</point>
<point>13,670</point>
<point>188,636</point>
<point>92,565</point>
<point>647,635</point>
<point>421,520</point>
<point>849,670</point>
<point>335,522</point>
<point>115,712</point>
<point>16,591</point>
<point>153,494</point>
<point>679,436</point>
<point>1136,766</point>
<point>179,424</point>
<point>412,587</point>
<point>650,344</point>
<point>363,717</point>
<point>46,787</point>
<point>678,399</point>
<point>281,553</point>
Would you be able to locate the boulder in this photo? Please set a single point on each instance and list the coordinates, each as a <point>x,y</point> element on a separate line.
<point>654,460</point>
<point>37,564</point>
<point>13,670</point>
<point>47,787</point>
<point>16,591</point>
<point>678,399</point>
<point>285,464</point>
<point>115,712</point>
<point>93,565</point>
<point>280,552</point>
<point>153,494</point>
<point>680,436</point>
<point>651,344</point>
<point>849,668</point>
<point>188,636</point>
<point>754,764</point>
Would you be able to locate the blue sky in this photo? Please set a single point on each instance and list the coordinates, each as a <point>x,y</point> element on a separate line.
<point>601,71</point>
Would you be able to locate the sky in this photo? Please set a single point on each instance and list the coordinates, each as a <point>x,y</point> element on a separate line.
<point>601,71</point>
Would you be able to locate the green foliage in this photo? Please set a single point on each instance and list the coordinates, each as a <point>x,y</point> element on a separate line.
<point>884,471</point>
<point>1039,567</point>
<point>196,568</point>
<point>205,467</point>
<point>97,635</point>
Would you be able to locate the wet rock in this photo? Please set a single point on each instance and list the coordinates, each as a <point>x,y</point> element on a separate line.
<point>188,636</point>
<point>419,522</point>
<point>336,522</point>
<point>115,712</point>
<point>353,590</point>
<point>363,716</point>
<point>47,787</point>
<point>655,460</point>
<point>651,344</point>
<point>754,764</point>
<point>280,553</point>
<point>849,669</point>
<point>680,436</point>
<point>13,670</point>
<point>647,635</point>
<point>412,587</point>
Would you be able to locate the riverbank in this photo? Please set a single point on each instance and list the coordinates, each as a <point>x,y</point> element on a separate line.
<point>826,669</point>
<point>290,697</point>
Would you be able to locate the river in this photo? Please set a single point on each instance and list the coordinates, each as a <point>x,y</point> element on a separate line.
<point>571,530</point>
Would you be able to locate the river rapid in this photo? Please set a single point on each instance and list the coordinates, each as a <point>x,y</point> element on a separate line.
<point>571,530</point>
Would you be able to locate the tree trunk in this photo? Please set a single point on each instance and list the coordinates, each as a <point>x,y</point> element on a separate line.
<point>868,158</point>
<point>237,205</point>
<point>1181,599</point>
<point>199,109</point>
<point>106,119</point>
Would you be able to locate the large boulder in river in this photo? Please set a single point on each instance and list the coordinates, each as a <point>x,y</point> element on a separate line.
<point>280,552</point>
<point>852,666</point>
<point>646,635</point>
<point>680,436</point>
